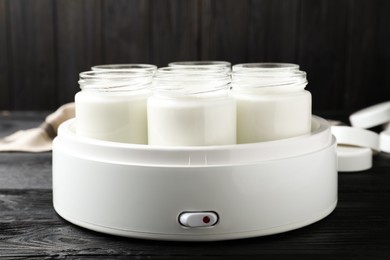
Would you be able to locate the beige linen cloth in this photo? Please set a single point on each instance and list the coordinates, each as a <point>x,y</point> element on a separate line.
<point>38,139</point>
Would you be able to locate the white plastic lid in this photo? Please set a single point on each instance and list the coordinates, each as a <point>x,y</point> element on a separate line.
<point>384,141</point>
<point>351,136</point>
<point>353,159</point>
<point>371,116</point>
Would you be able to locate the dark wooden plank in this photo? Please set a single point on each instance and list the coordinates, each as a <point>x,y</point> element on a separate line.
<point>44,44</point>
<point>25,171</point>
<point>382,53</point>
<point>12,121</point>
<point>322,51</point>
<point>359,226</point>
<point>360,70</point>
<point>126,31</point>
<point>368,54</point>
<point>174,31</point>
<point>224,30</point>
<point>32,49</point>
<point>30,227</point>
<point>79,41</point>
<point>273,30</point>
<point>5,91</point>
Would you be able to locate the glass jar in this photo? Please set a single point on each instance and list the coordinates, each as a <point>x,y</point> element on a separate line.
<point>272,102</point>
<point>130,66</point>
<point>111,105</point>
<point>191,107</point>
<point>202,64</point>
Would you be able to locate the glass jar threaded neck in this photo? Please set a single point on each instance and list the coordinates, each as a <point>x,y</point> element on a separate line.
<point>191,82</point>
<point>115,80</point>
<point>268,77</point>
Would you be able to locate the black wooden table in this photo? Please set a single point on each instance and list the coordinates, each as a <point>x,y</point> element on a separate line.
<point>359,228</point>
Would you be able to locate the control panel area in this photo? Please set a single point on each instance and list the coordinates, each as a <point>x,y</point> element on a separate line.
<point>197,219</point>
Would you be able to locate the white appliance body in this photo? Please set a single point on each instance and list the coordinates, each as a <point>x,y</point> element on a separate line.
<point>195,193</point>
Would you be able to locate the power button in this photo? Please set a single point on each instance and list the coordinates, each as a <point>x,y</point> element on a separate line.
<point>198,219</point>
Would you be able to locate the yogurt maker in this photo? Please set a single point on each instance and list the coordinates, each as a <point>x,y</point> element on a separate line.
<point>195,193</point>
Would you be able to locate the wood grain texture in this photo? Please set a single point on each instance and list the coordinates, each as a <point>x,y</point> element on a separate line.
<point>5,97</point>
<point>174,31</point>
<point>322,51</point>
<point>126,27</point>
<point>359,225</point>
<point>25,170</point>
<point>79,43</point>
<point>224,31</point>
<point>12,121</point>
<point>342,45</point>
<point>274,27</point>
<point>31,47</point>
<point>368,32</point>
<point>382,52</point>
<point>359,228</point>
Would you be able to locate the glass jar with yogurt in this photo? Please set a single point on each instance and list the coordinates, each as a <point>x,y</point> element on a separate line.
<point>272,102</point>
<point>111,105</point>
<point>191,107</point>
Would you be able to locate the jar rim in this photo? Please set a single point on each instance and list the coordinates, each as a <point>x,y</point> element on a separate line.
<point>115,80</point>
<point>266,66</point>
<point>292,74</point>
<point>124,66</point>
<point>289,79</point>
<point>115,74</point>
<point>191,80</point>
<point>191,71</point>
<point>210,63</point>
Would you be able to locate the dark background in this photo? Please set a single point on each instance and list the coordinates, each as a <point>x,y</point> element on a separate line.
<point>343,45</point>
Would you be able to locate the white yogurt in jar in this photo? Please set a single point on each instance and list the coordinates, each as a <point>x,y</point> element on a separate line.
<point>112,106</point>
<point>271,100</point>
<point>191,108</point>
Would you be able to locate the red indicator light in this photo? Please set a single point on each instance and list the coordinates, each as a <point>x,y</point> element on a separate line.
<point>206,219</point>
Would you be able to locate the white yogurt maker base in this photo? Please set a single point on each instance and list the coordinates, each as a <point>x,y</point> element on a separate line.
<point>195,193</point>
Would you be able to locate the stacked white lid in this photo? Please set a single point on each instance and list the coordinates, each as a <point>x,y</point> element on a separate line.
<point>372,116</point>
<point>356,145</point>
